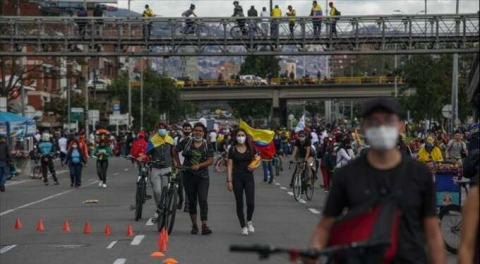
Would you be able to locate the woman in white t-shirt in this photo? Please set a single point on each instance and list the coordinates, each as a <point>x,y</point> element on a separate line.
<point>345,153</point>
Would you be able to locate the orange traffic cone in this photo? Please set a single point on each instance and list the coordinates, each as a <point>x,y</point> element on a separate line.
<point>157,254</point>
<point>107,230</point>
<point>129,230</point>
<point>66,227</point>
<point>166,236</point>
<point>170,261</point>
<point>86,228</point>
<point>163,243</point>
<point>40,227</point>
<point>18,224</point>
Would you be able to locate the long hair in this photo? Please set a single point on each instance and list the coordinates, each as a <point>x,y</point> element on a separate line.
<point>248,141</point>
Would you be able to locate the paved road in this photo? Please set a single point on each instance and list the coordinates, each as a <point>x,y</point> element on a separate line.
<point>278,219</point>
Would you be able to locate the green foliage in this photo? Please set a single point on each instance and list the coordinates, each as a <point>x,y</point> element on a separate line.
<point>368,63</point>
<point>260,66</point>
<point>59,105</point>
<point>432,78</point>
<point>315,107</point>
<point>159,96</point>
<point>248,109</point>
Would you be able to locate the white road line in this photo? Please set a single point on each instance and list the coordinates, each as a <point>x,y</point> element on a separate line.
<point>7,248</point>
<point>41,200</point>
<point>120,261</point>
<point>277,183</point>
<point>137,240</point>
<point>302,201</point>
<point>116,173</point>
<point>283,188</point>
<point>126,169</point>
<point>111,245</point>
<point>290,193</point>
<point>149,222</point>
<point>313,210</point>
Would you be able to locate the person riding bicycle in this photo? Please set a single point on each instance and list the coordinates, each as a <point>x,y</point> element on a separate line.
<point>160,149</point>
<point>199,155</point>
<point>47,149</point>
<point>303,148</point>
<point>139,150</point>
<point>189,24</point>
<point>456,148</point>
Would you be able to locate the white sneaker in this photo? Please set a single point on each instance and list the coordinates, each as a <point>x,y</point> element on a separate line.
<point>250,227</point>
<point>100,183</point>
<point>244,231</point>
<point>104,185</point>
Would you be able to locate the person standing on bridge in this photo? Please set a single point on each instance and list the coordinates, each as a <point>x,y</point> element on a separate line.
<point>97,13</point>
<point>199,155</point>
<point>238,12</point>
<point>334,13</point>
<point>240,177</point>
<point>276,14</point>
<point>147,13</point>
<point>317,14</point>
<point>252,25</point>
<point>265,14</point>
<point>291,13</point>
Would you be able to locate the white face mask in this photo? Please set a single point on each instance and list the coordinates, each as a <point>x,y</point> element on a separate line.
<point>382,138</point>
<point>241,139</point>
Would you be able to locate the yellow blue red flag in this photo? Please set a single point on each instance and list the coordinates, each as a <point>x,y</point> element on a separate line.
<point>260,137</point>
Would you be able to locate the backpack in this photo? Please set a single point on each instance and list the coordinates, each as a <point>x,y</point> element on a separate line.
<point>471,164</point>
<point>338,13</point>
<point>330,160</point>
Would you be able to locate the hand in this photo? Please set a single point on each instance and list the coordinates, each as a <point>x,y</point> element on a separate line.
<point>251,168</point>
<point>229,186</point>
<point>196,167</point>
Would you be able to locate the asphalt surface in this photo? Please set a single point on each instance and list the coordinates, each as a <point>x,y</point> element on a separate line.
<point>278,219</point>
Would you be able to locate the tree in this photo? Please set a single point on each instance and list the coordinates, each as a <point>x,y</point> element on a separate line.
<point>431,76</point>
<point>59,105</point>
<point>260,66</point>
<point>160,97</point>
<point>250,109</point>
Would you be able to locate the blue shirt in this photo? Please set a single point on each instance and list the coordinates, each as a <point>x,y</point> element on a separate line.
<point>45,147</point>
<point>76,156</point>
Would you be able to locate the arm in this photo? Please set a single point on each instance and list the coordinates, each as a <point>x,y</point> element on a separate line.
<point>434,240</point>
<point>447,151</point>
<point>175,155</point>
<point>307,155</point>
<point>464,146</point>
<point>470,227</point>
<point>321,234</point>
<point>294,154</point>
<point>437,154</point>
<point>229,174</point>
<point>343,154</point>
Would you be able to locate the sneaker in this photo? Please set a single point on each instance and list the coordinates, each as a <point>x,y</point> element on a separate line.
<point>100,183</point>
<point>56,183</point>
<point>250,227</point>
<point>206,230</point>
<point>270,182</point>
<point>104,185</point>
<point>2,188</point>
<point>245,231</point>
<point>194,230</point>
<point>71,184</point>
<point>46,183</point>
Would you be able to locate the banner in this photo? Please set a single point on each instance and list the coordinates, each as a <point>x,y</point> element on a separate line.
<point>18,128</point>
<point>3,129</point>
<point>301,124</point>
<point>261,138</point>
<point>31,128</point>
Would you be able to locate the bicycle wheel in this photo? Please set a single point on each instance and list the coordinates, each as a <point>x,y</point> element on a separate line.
<point>202,31</point>
<point>450,223</point>
<point>139,200</point>
<point>297,185</point>
<point>162,205</point>
<point>172,208</point>
<point>236,32</point>
<point>309,190</point>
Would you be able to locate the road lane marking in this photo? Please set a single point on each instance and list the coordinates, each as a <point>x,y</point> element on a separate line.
<point>116,173</point>
<point>137,240</point>
<point>120,261</point>
<point>277,183</point>
<point>313,210</point>
<point>283,188</point>
<point>149,222</point>
<point>7,248</point>
<point>302,201</point>
<point>111,245</point>
<point>41,200</point>
<point>290,193</point>
<point>126,169</point>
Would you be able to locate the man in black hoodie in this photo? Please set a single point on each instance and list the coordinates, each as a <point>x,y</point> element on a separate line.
<point>5,161</point>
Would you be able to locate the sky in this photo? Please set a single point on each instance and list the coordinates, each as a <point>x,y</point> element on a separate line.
<point>224,8</point>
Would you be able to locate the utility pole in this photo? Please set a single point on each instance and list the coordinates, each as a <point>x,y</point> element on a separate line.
<point>129,93</point>
<point>69,100</point>
<point>395,67</point>
<point>455,78</point>
<point>271,6</point>
<point>129,5</point>
<point>141,94</point>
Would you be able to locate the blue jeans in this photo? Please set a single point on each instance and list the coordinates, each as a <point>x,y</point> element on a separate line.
<point>4,172</point>
<point>286,148</point>
<point>267,166</point>
<point>76,174</point>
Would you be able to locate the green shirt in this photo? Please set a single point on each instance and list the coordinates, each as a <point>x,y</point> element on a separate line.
<point>102,153</point>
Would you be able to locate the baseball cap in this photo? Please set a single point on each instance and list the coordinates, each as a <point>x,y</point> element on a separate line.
<point>386,104</point>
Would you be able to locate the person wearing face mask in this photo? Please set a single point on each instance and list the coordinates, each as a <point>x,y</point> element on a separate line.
<point>102,153</point>
<point>345,153</point>
<point>139,150</point>
<point>198,155</point>
<point>240,178</point>
<point>430,152</point>
<point>277,141</point>
<point>160,149</point>
<point>373,176</point>
<point>303,147</point>
<point>75,161</point>
<point>186,134</point>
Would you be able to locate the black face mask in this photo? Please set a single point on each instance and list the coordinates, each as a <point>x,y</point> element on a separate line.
<point>187,134</point>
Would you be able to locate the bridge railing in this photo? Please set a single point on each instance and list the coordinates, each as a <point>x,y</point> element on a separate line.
<point>289,82</point>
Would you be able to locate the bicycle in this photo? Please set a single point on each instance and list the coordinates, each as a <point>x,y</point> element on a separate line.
<point>451,221</point>
<point>361,252</point>
<point>195,27</point>
<point>221,163</point>
<point>141,195</point>
<point>167,207</point>
<point>301,183</point>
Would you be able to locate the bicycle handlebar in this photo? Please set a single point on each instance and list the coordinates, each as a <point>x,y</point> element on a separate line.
<point>266,250</point>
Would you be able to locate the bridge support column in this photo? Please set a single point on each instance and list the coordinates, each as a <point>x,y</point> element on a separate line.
<point>279,109</point>
<point>328,110</point>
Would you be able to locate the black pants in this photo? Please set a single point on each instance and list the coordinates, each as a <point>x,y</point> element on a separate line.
<point>247,185</point>
<point>291,26</point>
<point>102,166</point>
<point>334,27</point>
<point>317,27</point>
<point>47,162</point>
<point>181,190</point>
<point>197,190</point>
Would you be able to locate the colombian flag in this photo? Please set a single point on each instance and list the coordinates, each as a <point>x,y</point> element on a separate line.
<point>157,141</point>
<point>262,139</point>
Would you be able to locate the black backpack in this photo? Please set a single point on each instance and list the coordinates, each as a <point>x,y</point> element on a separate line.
<point>471,164</point>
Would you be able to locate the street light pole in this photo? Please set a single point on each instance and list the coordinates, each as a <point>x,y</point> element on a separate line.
<point>129,93</point>
<point>455,78</point>
<point>141,95</point>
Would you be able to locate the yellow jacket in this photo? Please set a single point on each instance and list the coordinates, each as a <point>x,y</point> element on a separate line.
<point>276,12</point>
<point>292,14</point>
<point>147,13</point>
<point>333,11</point>
<point>435,155</point>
